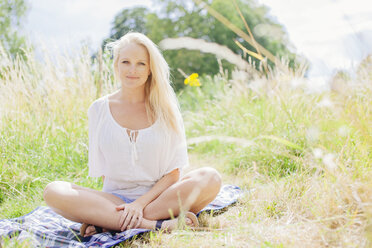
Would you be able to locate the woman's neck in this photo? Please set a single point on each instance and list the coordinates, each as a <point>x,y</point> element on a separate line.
<point>135,95</point>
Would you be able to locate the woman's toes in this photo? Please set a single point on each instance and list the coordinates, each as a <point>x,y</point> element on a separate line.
<point>91,230</point>
<point>188,222</point>
<point>169,224</point>
<point>193,218</point>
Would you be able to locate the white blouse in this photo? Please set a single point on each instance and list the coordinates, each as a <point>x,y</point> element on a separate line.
<point>131,167</point>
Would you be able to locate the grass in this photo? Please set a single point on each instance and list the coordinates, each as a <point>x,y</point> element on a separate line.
<point>303,158</point>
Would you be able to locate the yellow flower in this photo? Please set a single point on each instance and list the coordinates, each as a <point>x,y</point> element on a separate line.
<point>193,80</point>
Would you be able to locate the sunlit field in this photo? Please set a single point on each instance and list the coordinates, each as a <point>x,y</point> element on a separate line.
<point>302,158</point>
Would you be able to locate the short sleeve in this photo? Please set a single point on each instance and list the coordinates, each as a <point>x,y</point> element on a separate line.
<point>95,157</point>
<point>178,156</point>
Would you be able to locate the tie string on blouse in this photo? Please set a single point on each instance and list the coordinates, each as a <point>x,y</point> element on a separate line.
<point>133,139</point>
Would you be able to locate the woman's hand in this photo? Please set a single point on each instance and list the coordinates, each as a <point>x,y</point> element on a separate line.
<point>132,215</point>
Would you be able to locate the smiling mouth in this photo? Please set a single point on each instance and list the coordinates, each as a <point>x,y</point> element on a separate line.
<point>130,77</point>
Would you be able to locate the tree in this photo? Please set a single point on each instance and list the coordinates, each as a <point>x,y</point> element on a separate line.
<point>185,18</point>
<point>11,13</point>
<point>128,20</point>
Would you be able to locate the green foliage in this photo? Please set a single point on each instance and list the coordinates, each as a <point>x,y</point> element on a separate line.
<point>128,20</point>
<point>11,14</point>
<point>184,18</point>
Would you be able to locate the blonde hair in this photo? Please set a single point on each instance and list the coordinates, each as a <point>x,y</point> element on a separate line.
<point>160,99</point>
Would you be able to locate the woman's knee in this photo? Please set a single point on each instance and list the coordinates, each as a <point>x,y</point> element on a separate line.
<point>55,190</point>
<point>209,182</point>
<point>210,178</point>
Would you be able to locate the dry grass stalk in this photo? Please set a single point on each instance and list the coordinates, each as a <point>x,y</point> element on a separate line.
<point>237,30</point>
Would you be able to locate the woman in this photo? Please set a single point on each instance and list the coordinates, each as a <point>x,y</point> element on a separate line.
<point>137,145</point>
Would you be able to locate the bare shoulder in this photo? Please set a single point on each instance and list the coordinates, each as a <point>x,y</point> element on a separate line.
<point>114,96</point>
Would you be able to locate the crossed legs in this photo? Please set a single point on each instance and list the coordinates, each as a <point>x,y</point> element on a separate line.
<point>192,193</point>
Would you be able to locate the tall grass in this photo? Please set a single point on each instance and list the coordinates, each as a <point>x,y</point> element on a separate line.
<point>304,159</point>
<point>43,126</point>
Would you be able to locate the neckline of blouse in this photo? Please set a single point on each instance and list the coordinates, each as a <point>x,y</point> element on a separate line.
<point>120,126</point>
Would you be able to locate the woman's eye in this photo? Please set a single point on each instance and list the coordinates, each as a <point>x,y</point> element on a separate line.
<point>142,63</point>
<point>125,62</point>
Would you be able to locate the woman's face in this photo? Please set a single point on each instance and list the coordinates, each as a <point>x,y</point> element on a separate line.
<point>133,65</point>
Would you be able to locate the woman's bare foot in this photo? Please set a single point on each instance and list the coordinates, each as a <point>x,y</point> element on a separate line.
<point>87,230</point>
<point>190,220</point>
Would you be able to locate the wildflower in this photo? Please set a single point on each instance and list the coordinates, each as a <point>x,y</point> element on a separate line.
<point>318,153</point>
<point>193,80</point>
<point>328,160</point>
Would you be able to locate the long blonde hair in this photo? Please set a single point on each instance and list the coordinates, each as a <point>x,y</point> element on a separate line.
<point>160,100</point>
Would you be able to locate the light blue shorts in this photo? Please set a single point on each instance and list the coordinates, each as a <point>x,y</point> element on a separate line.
<point>124,198</point>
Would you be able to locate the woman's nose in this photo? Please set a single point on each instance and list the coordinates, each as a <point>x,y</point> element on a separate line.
<point>132,68</point>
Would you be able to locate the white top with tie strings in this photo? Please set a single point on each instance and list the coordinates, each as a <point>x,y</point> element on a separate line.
<point>132,161</point>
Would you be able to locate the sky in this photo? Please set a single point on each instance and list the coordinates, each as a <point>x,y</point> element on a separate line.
<point>64,24</point>
<point>331,34</point>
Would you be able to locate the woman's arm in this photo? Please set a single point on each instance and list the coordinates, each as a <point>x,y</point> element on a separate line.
<point>133,212</point>
<point>161,185</point>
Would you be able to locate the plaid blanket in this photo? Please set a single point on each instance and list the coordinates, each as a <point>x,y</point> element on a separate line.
<point>44,228</point>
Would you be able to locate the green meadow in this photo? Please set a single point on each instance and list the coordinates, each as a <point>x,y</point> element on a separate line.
<point>302,158</point>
